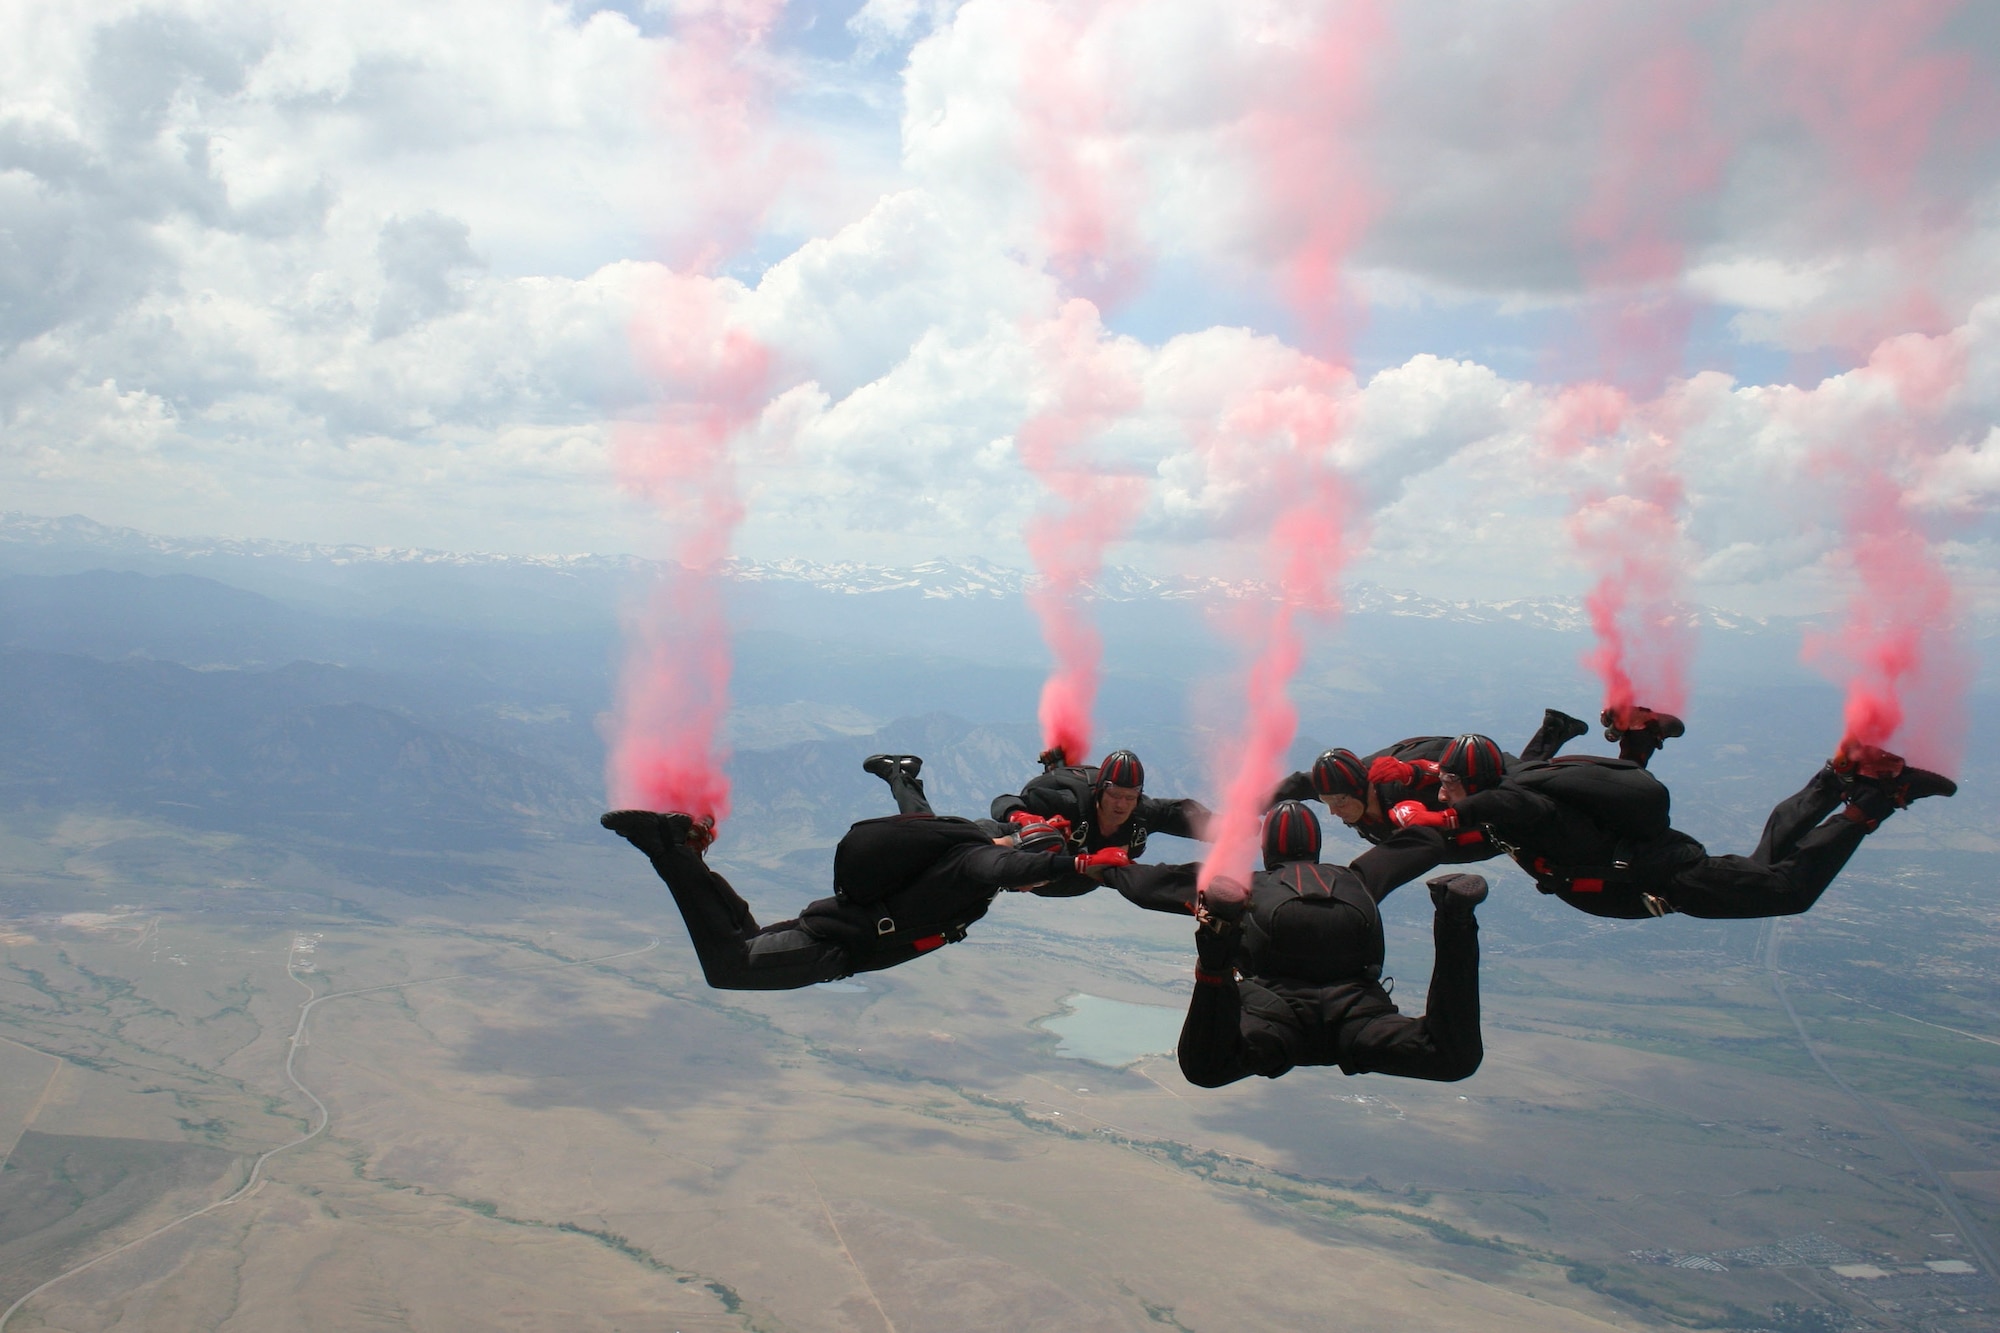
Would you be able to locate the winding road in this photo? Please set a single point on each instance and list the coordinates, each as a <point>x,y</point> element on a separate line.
<point>256,1177</point>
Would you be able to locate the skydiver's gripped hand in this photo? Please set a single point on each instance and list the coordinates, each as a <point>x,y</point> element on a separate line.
<point>1103,859</point>
<point>1387,769</point>
<point>1027,817</point>
<point>1215,948</point>
<point>1220,905</point>
<point>1412,814</point>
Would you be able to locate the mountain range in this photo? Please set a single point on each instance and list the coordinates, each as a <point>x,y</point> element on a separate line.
<point>350,696</point>
<point>28,540</point>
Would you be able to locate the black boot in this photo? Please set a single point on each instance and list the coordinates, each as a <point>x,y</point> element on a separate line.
<point>1640,732</point>
<point>652,833</point>
<point>1912,784</point>
<point>641,828</point>
<point>1865,767</point>
<point>1457,895</point>
<point>885,766</point>
<point>1560,728</point>
<point>1917,783</point>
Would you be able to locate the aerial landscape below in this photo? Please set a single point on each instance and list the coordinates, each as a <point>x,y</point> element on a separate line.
<point>883,666</point>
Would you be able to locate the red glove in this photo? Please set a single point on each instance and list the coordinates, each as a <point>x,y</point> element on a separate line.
<point>1425,772</point>
<point>1385,770</point>
<point>1412,814</point>
<point>1108,856</point>
<point>1026,817</point>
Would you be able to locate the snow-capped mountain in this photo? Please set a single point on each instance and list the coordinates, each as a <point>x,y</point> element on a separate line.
<point>944,580</point>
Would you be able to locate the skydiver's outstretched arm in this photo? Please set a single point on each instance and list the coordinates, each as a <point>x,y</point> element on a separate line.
<point>1004,806</point>
<point>1183,818</point>
<point>1295,787</point>
<point>1157,888</point>
<point>995,867</point>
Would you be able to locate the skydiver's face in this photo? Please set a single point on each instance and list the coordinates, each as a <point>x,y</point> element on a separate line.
<point>1347,809</point>
<point>1451,787</point>
<point>1114,806</point>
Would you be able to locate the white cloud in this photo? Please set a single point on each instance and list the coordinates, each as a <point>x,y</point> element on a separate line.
<point>368,270</point>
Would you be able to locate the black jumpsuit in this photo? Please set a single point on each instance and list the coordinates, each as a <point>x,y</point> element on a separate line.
<point>1423,848</point>
<point>1068,792</point>
<point>832,938</point>
<point>1311,992</point>
<point>1406,853</point>
<point>1576,859</point>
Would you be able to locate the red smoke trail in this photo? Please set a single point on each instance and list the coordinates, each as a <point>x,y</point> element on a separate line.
<point>1086,187</point>
<point>1906,671</point>
<point>716,89</point>
<point>1085,180</point>
<point>674,692</point>
<point>1631,536</point>
<point>665,751</point>
<point>1906,675</point>
<point>1092,509</point>
<point>1304,135</point>
<point>1660,158</point>
<point>1296,428</point>
<point>1858,75</point>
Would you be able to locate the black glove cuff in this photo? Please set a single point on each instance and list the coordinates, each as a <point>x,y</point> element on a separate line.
<point>1216,949</point>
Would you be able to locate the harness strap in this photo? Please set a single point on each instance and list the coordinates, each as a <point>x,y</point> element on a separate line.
<point>950,934</point>
<point>1550,878</point>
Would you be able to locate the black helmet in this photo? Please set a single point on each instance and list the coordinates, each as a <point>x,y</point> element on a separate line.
<point>1291,833</point>
<point>1340,773</point>
<point>1121,768</point>
<point>1474,760</point>
<point>1041,838</point>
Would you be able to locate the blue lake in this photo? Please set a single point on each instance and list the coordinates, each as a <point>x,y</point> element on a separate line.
<point>1113,1033</point>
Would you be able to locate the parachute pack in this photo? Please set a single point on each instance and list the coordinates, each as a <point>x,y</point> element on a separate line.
<point>1069,792</point>
<point>1617,795</point>
<point>1313,922</point>
<point>879,858</point>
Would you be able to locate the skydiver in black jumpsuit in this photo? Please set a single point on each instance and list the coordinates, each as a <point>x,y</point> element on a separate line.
<point>1361,790</point>
<point>1308,940</point>
<point>1106,806</point>
<point>838,936</point>
<point>1594,833</point>
<point>1157,888</point>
